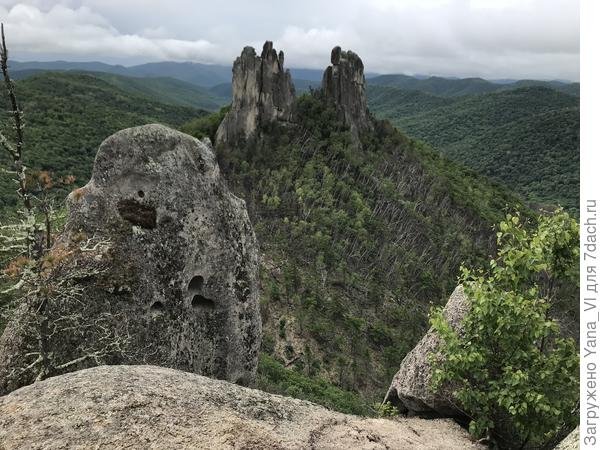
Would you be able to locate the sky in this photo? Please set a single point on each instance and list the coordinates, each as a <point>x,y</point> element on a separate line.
<point>489,38</point>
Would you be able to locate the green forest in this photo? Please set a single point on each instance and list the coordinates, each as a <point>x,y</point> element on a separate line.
<point>525,138</point>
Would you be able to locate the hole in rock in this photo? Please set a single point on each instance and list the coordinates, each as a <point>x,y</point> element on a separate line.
<point>157,306</point>
<point>137,214</point>
<point>196,284</point>
<point>141,194</point>
<point>201,302</point>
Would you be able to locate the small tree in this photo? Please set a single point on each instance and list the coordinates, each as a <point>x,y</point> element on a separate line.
<point>509,369</point>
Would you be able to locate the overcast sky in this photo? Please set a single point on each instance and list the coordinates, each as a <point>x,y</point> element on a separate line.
<point>488,38</point>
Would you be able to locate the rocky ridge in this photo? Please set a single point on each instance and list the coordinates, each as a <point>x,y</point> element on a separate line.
<point>263,92</point>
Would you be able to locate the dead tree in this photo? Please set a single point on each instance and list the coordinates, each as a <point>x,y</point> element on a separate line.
<point>46,286</point>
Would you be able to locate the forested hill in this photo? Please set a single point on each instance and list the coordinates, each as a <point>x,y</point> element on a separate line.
<point>68,115</point>
<point>158,89</point>
<point>526,138</point>
<point>454,87</point>
<point>356,242</point>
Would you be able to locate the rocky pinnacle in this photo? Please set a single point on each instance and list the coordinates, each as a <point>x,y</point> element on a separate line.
<point>344,86</point>
<point>263,92</point>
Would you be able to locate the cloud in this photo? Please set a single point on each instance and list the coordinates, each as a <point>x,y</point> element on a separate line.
<point>490,38</point>
<point>82,32</point>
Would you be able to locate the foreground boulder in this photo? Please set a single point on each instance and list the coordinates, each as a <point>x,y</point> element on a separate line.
<point>154,407</point>
<point>157,264</point>
<point>410,390</point>
<point>344,86</point>
<point>263,92</point>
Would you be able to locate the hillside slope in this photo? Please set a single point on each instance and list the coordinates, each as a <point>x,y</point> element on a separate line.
<point>170,91</point>
<point>526,138</point>
<point>356,241</point>
<point>166,90</point>
<point>69,114</point>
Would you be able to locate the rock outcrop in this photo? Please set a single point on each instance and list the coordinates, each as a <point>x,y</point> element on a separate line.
<point>152,407</point>
<point>344,85</point>
<point>410,389</point>
<point>571,442</point>
<point>158,264</point>
<point>263,92</point>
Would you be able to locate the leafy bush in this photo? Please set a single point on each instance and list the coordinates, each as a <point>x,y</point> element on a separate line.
<point>510,370</point>
<point>385,409</point>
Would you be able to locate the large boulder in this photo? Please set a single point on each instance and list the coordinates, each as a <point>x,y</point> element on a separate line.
<point>146,407</point>
<point>263,92</point>
<point>158,263</point>
<point>344,85</point>
<point>411,389</point>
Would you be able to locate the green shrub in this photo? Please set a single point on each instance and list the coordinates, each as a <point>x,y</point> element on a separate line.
<point>513,374</point>
<point>385,409</point>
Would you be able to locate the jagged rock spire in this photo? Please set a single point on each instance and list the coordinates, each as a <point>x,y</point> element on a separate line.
<point>344,85</point>
<point>262,92</point>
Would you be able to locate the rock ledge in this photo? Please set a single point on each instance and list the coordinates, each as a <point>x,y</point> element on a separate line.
<point>153,407</point>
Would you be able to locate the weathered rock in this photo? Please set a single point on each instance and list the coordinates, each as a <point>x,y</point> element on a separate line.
<point>157,264</point>
<point>156,408</point>
<point>344,85</point>
<point>263,92</point>
<point>410,390</point>
<point>571,442</point>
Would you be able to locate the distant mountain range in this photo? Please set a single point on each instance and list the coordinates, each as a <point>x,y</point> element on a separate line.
<point>209,76</point>
<point>454,87</point>
<point>204,75</point>
<point>501,128</point>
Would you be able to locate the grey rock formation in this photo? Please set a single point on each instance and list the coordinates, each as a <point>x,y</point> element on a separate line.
<point>146,407</point>
<point>344,85</point>
<point>410,389</point>
<point>158,263</point>
<point>263,92</point>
